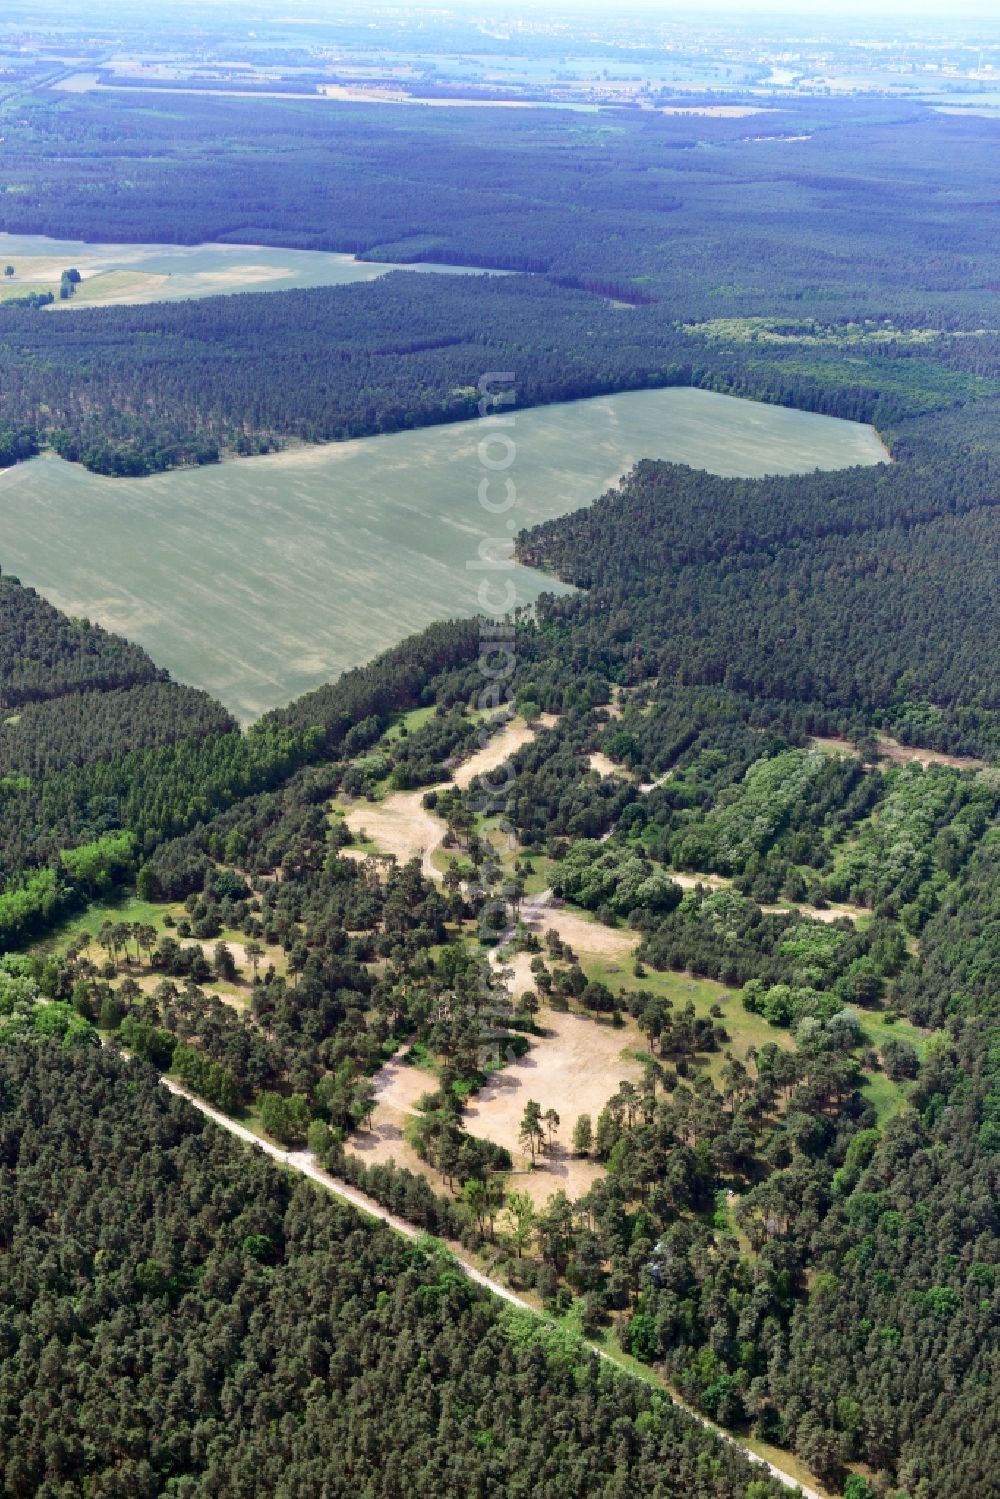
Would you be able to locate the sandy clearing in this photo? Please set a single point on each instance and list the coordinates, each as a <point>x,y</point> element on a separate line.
<point>151,980</point>
<point>401,1085</point>
<point>901,754</point>
<point>574,1067</point>
<point>401,824</point>
<point>384,1143</point>
<point>908,754</point>
<point>499,749</point>
<point>518,966</point>
<point>272,955</point>
<point>692,881</point>
<point>827,914</point>
<point>593,938</point>
<point>606,767</point>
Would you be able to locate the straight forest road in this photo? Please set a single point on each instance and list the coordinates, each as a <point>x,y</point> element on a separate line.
<point>304,1162</point>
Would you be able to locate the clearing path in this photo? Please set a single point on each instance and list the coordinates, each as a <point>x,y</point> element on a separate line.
<point>827,914</point>
<point>305,1163</point>
<point>494,754</point>
<point>900,754</point>
<point>401,824</point>
<point>543,912</point>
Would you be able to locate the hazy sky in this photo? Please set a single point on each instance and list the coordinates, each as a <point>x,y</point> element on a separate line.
<point>919,11</point>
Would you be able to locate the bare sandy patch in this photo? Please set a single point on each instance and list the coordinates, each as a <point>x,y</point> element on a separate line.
<point>908,754</point>
<point>500,748</point>
<point>384,1143</point>
<point>230,994</point>
<point>831,744</point>
<point>827,914</point>
<point>272,955</point>
<point>900,754</point>
<point>606,767</point>
<point>574,1068</point>
<point>592,938</point>
<point>692,881</point>
<point>518,966</point>
<point>401,826</point>
<point>401,1086</point>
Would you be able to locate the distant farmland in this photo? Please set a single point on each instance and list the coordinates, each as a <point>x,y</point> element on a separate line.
<point>260,578</point>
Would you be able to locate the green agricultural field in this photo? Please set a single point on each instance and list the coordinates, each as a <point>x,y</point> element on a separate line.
<point>262,578</point>
<point>169,273</point>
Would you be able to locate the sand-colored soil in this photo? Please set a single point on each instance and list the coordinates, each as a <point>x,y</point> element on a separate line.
<point>402,826</point>
<point>574,1068</point>
<point>518,967</point>
<point>384,1142</point>
<point>907,754</point>
<point>238,949</point>
<point>827,914</point>
<point>692,881</point>
<point>604,766</point>
<point>901,754</point>
<point>500,748</point>
<point>585,937</point>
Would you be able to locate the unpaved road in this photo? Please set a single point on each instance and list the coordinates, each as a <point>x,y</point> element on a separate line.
<point>401,824</point>
<point>304,1162</point>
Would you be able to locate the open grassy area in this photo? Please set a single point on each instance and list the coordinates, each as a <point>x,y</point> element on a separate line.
<point>886,1096</point>
<point>127,907</point>
<point>122,907</point>
<point>745,1030</point>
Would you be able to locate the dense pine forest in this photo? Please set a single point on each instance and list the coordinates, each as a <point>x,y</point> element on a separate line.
<point>235,1334</point>
<point>885,321</point>
<point>760,757</point>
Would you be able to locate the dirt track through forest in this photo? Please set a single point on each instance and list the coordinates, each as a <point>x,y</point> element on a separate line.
<point>304,1162</point>
<point>401,825</point>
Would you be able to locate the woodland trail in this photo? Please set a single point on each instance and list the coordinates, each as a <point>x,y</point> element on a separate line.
<point>304,1162</point>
